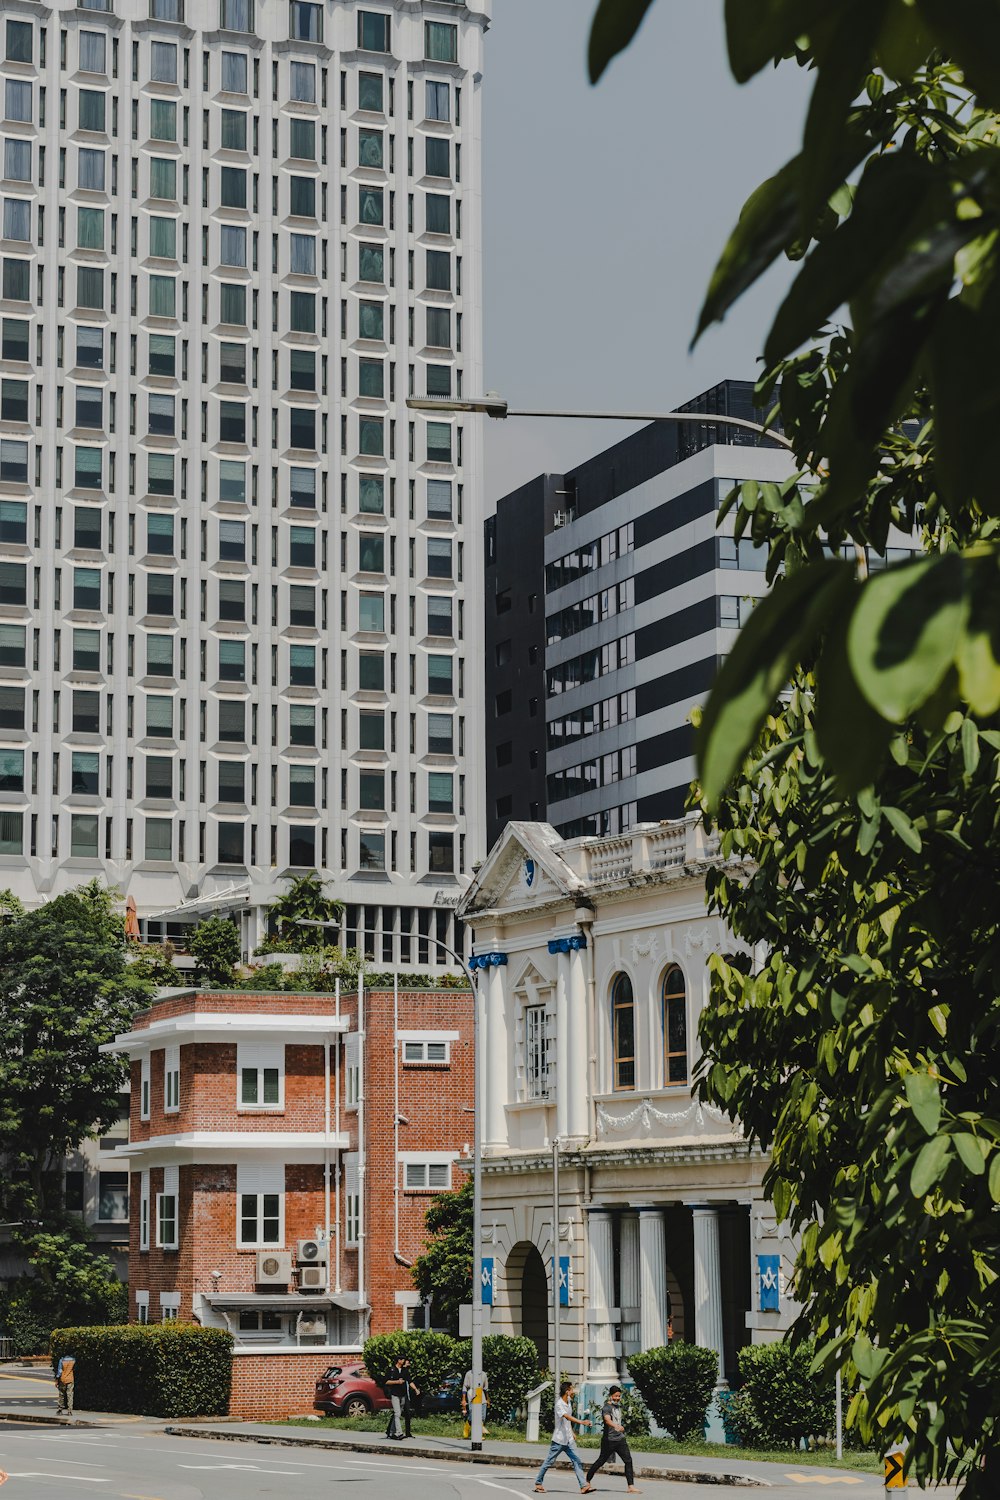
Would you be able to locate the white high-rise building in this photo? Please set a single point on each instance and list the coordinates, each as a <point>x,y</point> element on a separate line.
<point>239,581</point>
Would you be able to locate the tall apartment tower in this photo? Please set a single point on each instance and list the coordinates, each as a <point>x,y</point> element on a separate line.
<point>236,637</point>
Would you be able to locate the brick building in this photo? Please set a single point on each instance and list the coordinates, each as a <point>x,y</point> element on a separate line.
<point>282,1150</point>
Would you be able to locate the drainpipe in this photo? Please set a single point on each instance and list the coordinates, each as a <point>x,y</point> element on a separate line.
<point>336,1096</point>
<point>395,1115</point>
<point>326,1154</point>
<point>362,1153</point>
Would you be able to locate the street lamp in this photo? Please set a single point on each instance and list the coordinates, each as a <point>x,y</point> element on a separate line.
<point>492,405</point>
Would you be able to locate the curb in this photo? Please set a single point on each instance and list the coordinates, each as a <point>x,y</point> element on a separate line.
<point>38,1421</point>
<point>494,1460</point>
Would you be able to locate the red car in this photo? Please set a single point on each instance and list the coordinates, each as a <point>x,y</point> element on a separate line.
<point>349,1391</point>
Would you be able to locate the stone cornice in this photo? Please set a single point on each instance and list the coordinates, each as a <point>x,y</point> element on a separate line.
<point>700,1154</point>
<point>603,895</point>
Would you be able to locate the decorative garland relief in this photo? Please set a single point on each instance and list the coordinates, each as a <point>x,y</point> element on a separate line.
<point>646,1114</point>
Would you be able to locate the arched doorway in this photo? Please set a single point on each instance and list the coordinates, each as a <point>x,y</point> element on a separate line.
<point>528,1294</point>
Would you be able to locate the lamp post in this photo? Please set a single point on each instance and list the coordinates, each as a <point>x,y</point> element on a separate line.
<point>492,405</point>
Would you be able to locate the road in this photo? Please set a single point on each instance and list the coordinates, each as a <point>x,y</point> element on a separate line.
<point>134,1459</point>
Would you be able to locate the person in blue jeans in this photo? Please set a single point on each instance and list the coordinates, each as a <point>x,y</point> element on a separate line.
<point>562,1440</point>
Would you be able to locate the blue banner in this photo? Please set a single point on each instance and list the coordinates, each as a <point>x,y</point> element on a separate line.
<point>770,1290</point>
<point>487,1280</point>
<point>564,1285</point>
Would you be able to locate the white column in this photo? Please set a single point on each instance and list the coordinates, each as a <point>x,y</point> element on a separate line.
<point>576,1108</point>
<point>707,1283</point>
<point>600,1362</point>
<point>497,1058</point>
<point>652,1278</point>
<point>630,1282</point>
<point>562,1045</point>
<point>482,1072</point>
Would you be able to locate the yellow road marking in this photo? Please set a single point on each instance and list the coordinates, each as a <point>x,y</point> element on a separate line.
<point>824,1479</point>
<point>28,1379</point>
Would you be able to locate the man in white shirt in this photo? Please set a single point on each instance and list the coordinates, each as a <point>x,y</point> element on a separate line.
<point>562,1440</point>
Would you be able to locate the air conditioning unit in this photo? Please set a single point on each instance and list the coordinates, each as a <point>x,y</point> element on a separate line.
<point>559,519</point>
<point>312,1279</point>
<point>312,1327</point>
<point>311,1253</point>
<point>274,1267</point>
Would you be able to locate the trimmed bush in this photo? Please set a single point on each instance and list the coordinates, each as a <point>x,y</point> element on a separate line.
<point>154,1370</point>
<point>511,1366</point>
<point>676,1382</point>
<point>780,1401</point>
<point>432,1356</point>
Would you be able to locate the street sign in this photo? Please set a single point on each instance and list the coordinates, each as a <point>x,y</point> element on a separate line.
<point>465,1319</point>
<point>894,1478</point>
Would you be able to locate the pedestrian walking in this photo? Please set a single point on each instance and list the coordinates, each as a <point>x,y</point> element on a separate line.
<point>402,1392</point>
<point>614,1443</point>
<point>562,1440</point>
<point>65,1383</point>
<point>469,1396</point>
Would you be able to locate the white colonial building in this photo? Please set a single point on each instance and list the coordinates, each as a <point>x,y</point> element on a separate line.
<point>593,956</point>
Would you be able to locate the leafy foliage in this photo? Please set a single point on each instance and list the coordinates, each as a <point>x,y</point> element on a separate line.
<point>65,988</point>
<point>856,1035</point>
<point>319,972</point>
<point>153,1370</point>
<point>153,965</point>
<point>782,1400</point>
<point>215,946</point>
<point>635,1416</point>
<point>676,1382</point>
<point>304,901</point>
<point>432,1356</point>
<point>443,1273</point>
<point>511,1366</point>
<point>66,1282</point>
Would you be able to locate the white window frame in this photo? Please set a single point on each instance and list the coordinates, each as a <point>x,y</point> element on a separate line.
<point>170,1306</point>
<point>143,1212</point>
<point>352,1070</point>
<point>170,1193</point>
<point>352,1199</point>
<point>536,1052</point>
<point>260,1057</point>
<point>171,1080</point>
<point>142,1307</point>
<point>260,1183</point>
<point>423,1047</point>
<point>144,1089</point>
<point>426,1172</point>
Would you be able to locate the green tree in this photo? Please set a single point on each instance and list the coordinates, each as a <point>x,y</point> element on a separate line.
<point>153,964</point>
<point>856,1036</point>
<point>443,1273</point>
<point>305,901</point>
<point>67,1283</point>
<point>65,988</point>
<point>215,946</point>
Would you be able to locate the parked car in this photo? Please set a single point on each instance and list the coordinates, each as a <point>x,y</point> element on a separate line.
<point>447,1396</point>
<point>349,1391</point>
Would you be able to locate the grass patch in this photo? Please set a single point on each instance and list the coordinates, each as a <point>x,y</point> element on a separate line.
<point>451,1427</point>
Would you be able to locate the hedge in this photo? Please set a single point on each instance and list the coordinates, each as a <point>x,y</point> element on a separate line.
<point>511,1364</point>
<point>780,1400</point>
<point>154,1370</point>
<point>677,1382</point>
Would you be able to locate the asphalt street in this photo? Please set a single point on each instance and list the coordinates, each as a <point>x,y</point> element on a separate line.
<point>135,1459</point>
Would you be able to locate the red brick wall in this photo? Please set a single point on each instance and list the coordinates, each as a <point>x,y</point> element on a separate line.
<point>269,1386</point>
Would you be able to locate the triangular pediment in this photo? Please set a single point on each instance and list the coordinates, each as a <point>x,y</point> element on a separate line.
<point>523,869</point>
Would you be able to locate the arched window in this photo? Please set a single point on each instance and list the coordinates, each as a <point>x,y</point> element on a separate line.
<point>623,1032</point>
<point>675,1048</point>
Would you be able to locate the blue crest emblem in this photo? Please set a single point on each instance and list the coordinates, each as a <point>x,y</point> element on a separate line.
<point>529,873</point>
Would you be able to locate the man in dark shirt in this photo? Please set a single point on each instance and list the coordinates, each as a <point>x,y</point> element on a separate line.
<point>614,1443</point>
<point>400,1389</point>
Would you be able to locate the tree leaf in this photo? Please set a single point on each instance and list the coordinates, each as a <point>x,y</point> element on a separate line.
<point>995,1177</point>
<point>966,388</point>
<point>851,735</point>
<point>969,31</point>
<point>844,57</point>
<point>978,655</point>
<point>930,1165</point>
<point>904,633</point>
<point>614,25</point>
<point>758,667</point>
<point>893,199</point>
<point>923,1093</point>
<point>971,1149</point>
<point>903,826</point>
<point>759,30</point>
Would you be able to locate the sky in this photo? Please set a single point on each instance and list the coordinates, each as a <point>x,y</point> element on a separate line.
<point>604,212</point>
